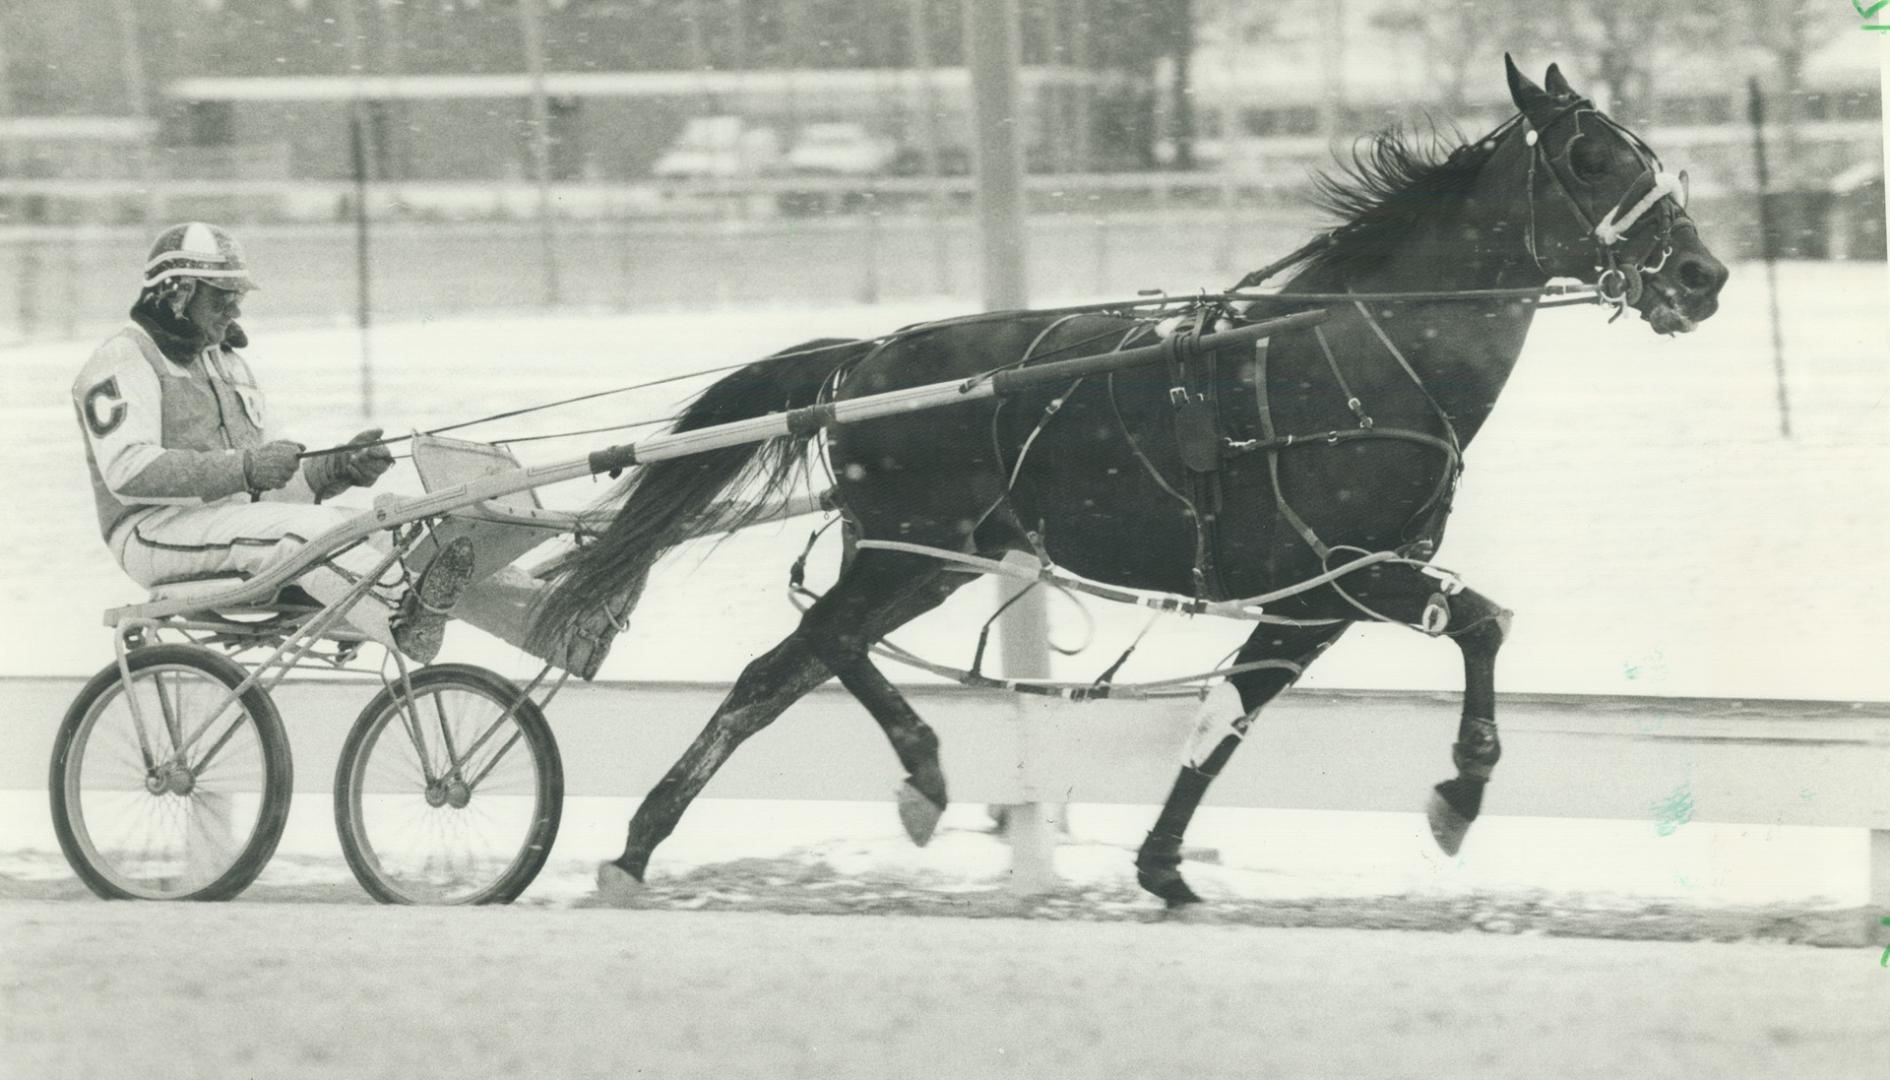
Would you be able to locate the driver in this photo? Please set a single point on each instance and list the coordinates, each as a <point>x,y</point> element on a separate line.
<point>191,480</point>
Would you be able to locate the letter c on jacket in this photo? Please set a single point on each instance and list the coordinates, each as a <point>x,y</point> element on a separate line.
<point>104,422</point>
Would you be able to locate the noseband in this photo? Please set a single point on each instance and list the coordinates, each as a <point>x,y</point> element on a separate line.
<point>1621,260</point>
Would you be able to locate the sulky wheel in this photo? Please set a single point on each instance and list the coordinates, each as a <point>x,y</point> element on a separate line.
<point>177,790</point>
<point>452,796</point>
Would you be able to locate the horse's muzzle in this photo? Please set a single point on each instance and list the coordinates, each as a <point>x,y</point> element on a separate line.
<point>1684,291</point>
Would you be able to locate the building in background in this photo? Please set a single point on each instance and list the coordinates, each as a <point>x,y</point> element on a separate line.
<point>261,90</point>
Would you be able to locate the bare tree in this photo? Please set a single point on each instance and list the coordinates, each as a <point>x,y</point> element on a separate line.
<point>1181,48</point>
<point>1786,32</point>
<point>1461,44</point>
<point>1623,39</point>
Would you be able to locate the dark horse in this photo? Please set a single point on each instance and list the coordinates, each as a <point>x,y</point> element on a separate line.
<point>1327,446</point>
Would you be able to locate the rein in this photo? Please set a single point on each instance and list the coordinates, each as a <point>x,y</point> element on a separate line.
<point>1558,296</point>
<point>594,395</point>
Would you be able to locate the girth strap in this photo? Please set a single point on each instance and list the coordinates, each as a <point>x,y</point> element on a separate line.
<point>1194,397</point>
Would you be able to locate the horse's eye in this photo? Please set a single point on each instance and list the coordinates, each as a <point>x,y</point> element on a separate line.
<point>1589,158</point>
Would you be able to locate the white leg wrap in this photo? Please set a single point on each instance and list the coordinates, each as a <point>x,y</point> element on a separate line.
<point>1209,732</point>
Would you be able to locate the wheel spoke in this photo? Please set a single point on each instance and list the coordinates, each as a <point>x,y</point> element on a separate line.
<point>497,756</point>
<point>172,829</point>
<point>450,835</point>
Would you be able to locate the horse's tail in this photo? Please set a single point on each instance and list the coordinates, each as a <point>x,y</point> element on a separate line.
<point>667,502</point>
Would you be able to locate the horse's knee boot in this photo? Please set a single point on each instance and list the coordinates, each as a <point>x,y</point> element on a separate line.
<point>1477,749</point>
<point>1456,802</point>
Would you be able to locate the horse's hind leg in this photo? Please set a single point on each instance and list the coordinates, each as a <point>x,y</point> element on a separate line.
<point>849,632</point>
<point>766,687</point>
<point>1158,863</point>
<point>872,597</point>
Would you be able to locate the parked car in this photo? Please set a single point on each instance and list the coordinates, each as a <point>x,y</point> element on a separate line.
<point>718,147</point>
<point>910,161</point>
<point>833,149</point>
<point>840,149</point>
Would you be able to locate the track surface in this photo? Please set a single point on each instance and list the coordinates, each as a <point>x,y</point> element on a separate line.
<point>276,990</point>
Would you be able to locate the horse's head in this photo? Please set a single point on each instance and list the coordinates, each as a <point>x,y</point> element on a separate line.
<point>1602,208</point>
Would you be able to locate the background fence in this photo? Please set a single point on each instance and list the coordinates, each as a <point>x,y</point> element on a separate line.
<point>709,247</point>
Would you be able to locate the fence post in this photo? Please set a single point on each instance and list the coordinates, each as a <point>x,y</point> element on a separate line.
<point>1768,250</point>
<point>361,161</point>
<point>29,285</point>
<point>534,42</point>
<point>992,53</point>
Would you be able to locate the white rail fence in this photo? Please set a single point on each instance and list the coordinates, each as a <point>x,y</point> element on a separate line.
<point>1757,762</point>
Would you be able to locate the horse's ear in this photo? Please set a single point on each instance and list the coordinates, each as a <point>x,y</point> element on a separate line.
<point>1556,85</point>
<point>1531,100</point>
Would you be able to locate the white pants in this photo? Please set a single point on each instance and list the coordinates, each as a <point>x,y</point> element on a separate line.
<point>183,542</point>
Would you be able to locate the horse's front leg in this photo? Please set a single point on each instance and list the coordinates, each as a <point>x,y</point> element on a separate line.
<point>1289,649</point>
<point>1478,625</point>
<point>1438,604</point>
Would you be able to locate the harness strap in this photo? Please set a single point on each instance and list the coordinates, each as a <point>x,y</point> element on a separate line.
<point>1271,442</point>
<point>1194,685</point>
<point>1248,608</point>
<point>1351,400</point>
<point>1273,445</point>
<point>1192,394</point>
<point>1194,397</point>
<point>1234,448</point>
<point>1385,340</point>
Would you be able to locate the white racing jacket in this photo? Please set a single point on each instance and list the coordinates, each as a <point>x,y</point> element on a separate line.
<point>159,433</point>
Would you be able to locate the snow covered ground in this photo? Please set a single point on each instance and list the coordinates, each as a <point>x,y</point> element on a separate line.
<point>321,991</point>
<point>1631,879</point>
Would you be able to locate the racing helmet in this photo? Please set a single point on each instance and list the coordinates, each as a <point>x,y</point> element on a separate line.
<point>206,253</point>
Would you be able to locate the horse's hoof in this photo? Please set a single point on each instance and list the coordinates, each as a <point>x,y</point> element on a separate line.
<point>616,887</point>
<point>1447,825</point>
<point>1193,912</point>
<point>918,813</point>
<point>1170,887</point>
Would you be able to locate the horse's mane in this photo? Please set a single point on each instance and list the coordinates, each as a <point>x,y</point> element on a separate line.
<point>1395,179</point>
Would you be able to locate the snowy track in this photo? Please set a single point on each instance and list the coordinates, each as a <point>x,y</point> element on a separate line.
<point>276,990</point>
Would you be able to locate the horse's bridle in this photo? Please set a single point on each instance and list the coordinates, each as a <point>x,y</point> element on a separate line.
<point>1620,258</point>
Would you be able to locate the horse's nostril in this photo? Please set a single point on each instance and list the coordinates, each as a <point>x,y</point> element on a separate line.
<point>1697,276</point>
